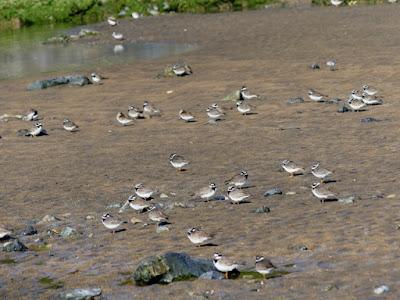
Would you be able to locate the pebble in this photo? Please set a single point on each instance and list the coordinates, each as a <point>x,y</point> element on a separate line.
<point>48,219</point>
<point>170,92</point>
<point>261,210</point>
<point>135,220</point>
<point>114,205</point>
<point>347,200</point>
<point>68,232</point>
<point>391,196</point>
<point>184,204</point>
<point>89,217</point>
<point>291,193</point>
<point>295,100</point>
<point>162,195</point>
<point>381,289</point>
<point>273,191</point>
<point>80,294</point>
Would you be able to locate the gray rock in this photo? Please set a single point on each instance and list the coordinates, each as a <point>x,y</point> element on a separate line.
<point>219,198</point>
<point>29,230</point>
<point>343,109</point>
<point>114,205</point>
<point>212,275</point>
<point>347,200</point>
<point>169,267</point>
<point>369,120</point>
<point>295,100</point>
<point>80,294</point>
<point>14,245</point>
<point>79,80</point>
<point>261,210</point>
<point>273,191</point>
<point>68,232</point>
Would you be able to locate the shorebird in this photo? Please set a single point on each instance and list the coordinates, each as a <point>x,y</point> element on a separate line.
<point>144,192</point>
<point>319,172</point>
<point>31,115</point>
<point>264,266</point>
<point>37,130</point>
<point>138,204</point>
<point>181,70</point>
<point>315,96</point>
<point>95,78</point>
<point>118,36</point>
<point>110,222</point>
<point>371,101</point>
<point>369,90</point>
<point>331,64</point>
<point>292,168</point>
<point>156,215</point>
<point>236,195</point>
<point>70,126</point>
<point>246,95</point>
<point>124,120</point>
<point>336,3</point>
<point>112,21</point>
<point>356,105</point>
<point>198,236</point>
<point>224,264</point>
<point>186,116</point>
<point>135,15</point>
<point>239,180</point>
<point>214,115</point>
<point>178,162</point>
<point>354,95</point>
<point>149,110</point>
<point>134,112</point>
<point>243,107</point>
<point>321,193</point>
<point>118,49</point>
<point>207,193</point>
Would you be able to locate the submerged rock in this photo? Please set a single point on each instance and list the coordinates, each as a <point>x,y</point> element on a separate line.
<point>14,246</point>
<point>80,294</point>
<point>170,267</point>
<point>79,80</point>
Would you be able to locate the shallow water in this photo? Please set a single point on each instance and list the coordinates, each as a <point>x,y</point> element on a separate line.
<point>22,52</point>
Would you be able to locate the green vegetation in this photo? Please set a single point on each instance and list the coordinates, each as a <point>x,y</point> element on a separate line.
<point>15,13</point>
<point>7,261</point>
<point>50,283</point>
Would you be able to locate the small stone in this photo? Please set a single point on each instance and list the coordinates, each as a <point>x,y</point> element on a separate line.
<point>114,205</point>
<point>135,220</point>
<point>347,200</point>
<point>290,193</point>
<point>369,120</point>
<point>184,204</point>
<point>14,245</point>
<point>314,66</point>
<point>381,289</point>
<point>68,232</point>
<point>162,196</point>
<point>391,196</point>
<point>212,275</point>
<point>170,92</point>
<point>89,217</point>
<point>29,230</point>
<point>80,294</point>
<point>48,219</point>
<point>273,191</point>
<point>220,198</point>
<point>261,210</point>
<point>295,100</point>
<point>300,247</point>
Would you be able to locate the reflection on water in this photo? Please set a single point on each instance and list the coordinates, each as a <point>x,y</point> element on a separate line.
<point>22,52</point>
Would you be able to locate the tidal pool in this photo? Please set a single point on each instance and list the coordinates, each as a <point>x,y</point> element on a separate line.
<point>22,52</point>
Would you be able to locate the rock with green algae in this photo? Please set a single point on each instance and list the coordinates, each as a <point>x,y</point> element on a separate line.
<point>169,267</point>
<point>234,96</point>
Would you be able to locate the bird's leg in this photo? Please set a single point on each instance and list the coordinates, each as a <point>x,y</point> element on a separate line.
<point>226,275</point>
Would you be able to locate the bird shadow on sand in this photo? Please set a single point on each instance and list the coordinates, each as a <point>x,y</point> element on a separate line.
<point>208,245</point>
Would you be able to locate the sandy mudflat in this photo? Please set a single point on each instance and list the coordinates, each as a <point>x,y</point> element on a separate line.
<point>352,248</point>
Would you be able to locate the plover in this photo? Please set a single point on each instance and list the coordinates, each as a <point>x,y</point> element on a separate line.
<point>37,130</point>
<point>134,112</point>
<point>236,195</point>
<point>354,95</point>
<point>186,116</point>
<point>292,168</point>
<point>118,48</point>
<point>214,115</point>
<point>181,70</point>
<point>356,105</point>
<point>138,204</point>
<point>110,222</point>
<point>144,192</point>
<point>369,100</point>
<point>149,110</point>
<point>118,36</point>
<point>112,21</point>
<point>156,215</point>
<point>31,115</point>
<point>124,120</point>
<point>246,95</point>
<point>224,264</point>
<point>264,266</point>
<point>321,193</point>
<point>95,78</point>
<point>336,3</point>
<point>207,193</point>
<point>198,236</point>
<point>178,162</point>
<point>240,180</point>
<point>331,64</point>
<point>319,172</point>
<point>315,96</point>
<point>243,107</point>
<point>369,90</point>
<point>70,126</point>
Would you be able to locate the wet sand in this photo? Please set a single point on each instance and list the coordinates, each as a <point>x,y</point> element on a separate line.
<point>351,248</point>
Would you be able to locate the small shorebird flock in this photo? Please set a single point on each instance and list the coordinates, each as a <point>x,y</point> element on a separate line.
<point>142,199</point>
